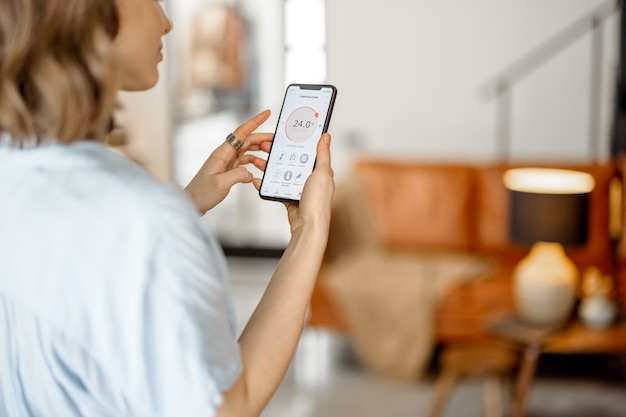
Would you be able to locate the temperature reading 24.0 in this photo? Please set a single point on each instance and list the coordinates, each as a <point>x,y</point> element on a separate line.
<point>301,124</point>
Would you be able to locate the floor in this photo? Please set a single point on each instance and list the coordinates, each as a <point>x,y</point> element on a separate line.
<point>325,380</point>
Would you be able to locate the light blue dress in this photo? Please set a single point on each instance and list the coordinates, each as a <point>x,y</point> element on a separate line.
<point>114,298</point>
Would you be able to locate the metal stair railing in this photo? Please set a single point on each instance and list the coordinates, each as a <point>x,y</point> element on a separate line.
<point>501,86</point>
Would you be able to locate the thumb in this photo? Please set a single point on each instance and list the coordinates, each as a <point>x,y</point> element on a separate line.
<point>323,152</point>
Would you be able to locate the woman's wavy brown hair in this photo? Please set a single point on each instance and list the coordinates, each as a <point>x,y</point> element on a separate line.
<point>57,69</point>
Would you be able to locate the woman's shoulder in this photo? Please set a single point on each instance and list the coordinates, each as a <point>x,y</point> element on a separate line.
<point>123,183</point>
<point>93,182</point>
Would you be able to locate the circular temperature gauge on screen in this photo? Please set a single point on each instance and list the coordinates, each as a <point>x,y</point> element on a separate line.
<point>301,124</point>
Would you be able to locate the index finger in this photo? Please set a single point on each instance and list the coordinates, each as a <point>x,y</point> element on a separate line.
<point>251,125</point>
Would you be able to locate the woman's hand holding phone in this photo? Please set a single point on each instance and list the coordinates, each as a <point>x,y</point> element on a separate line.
<point>317,194</point>
<point>225,168</point>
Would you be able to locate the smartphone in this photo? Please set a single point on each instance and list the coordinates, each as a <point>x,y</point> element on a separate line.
<point>304,117</point>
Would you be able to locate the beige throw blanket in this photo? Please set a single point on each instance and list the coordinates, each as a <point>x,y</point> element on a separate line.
<point>390,301</point>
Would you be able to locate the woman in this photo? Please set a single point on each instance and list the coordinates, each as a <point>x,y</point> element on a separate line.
<point>113,296</point>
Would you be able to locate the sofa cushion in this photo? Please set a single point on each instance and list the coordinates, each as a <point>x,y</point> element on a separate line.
<point>419,206</point>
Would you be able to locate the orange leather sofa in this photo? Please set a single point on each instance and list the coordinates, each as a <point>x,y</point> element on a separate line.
<point>426,208</point>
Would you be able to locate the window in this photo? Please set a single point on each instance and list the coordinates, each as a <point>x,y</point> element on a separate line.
<point>305,41</point>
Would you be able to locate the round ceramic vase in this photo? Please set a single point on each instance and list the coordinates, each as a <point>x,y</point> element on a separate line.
<point>545,286</point>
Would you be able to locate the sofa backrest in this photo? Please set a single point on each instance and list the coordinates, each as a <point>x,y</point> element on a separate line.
<point>439,207</point>
<point>419,206</point>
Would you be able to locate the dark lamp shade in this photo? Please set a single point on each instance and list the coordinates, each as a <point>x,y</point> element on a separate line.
<point>560,218</point>
<point>548,205</point>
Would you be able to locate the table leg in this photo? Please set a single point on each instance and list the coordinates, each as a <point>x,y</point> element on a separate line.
<point>444,385</point>
<point>493,395</point>
<point>525,377</point>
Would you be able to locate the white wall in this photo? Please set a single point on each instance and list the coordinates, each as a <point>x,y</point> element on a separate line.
<point>409,74</point>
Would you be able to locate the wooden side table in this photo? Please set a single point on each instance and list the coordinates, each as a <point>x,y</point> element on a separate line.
<point>574,338</point>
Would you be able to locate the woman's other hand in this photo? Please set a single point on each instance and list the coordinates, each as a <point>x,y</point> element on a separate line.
<point>274,329</point>
<point>225,166</point>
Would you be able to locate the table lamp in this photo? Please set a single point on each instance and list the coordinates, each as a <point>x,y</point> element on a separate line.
<point>548,210</point>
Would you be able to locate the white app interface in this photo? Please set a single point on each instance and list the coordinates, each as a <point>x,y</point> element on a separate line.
<point>300,127</point>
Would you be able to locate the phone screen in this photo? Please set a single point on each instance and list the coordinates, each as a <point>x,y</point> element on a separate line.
<point>304,116</point>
